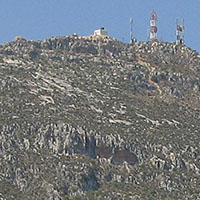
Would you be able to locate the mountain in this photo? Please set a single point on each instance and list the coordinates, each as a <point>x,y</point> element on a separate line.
<point>95,118</point>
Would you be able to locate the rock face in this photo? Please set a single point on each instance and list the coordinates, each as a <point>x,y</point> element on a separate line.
<point>94,118</point>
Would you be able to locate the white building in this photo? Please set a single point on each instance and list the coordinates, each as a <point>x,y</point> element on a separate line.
<point>101,32</point>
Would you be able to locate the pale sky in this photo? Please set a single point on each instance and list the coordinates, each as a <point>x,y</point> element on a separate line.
<point>40,19</point>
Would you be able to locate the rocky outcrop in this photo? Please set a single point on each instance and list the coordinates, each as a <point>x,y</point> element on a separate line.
<point>94,118</point>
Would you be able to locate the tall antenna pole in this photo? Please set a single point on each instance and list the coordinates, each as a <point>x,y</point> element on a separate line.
<point>132,39</point>
<point>131,30</point>
<point>153,27</point>
<point>180,28</point>
<point>177,32</point>
<point>183,31</point>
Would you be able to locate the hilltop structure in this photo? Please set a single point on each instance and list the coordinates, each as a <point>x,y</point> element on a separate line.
<point>19,38</point>
<point>101,32</point>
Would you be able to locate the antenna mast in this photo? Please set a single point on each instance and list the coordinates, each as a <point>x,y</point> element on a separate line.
<point>132,39</point>
<point>153,27</point>
<point>180,28</point>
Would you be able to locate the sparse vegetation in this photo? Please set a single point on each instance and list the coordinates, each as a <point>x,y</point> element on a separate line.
<point>85,120</point>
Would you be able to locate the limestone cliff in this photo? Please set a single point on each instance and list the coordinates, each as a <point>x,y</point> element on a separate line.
<point>94,118</point>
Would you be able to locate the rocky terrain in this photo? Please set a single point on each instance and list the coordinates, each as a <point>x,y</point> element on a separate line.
<point>93,118</point>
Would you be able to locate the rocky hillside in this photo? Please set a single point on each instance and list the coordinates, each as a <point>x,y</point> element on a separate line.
<point>93,118</point>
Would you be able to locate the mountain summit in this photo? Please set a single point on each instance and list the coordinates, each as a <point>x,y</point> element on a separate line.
<point>95,118</point>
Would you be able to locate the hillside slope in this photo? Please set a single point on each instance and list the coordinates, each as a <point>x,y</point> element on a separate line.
<point>94,118</point>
